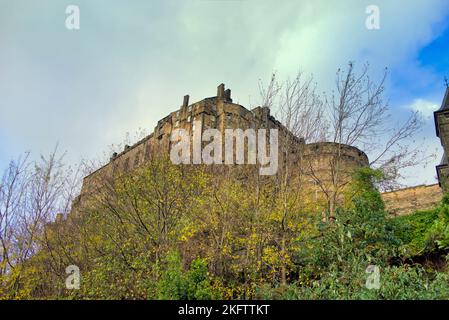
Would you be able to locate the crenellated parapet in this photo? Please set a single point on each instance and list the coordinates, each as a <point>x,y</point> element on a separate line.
<point>221,113</point>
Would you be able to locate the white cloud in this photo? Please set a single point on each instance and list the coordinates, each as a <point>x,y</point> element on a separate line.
<point>424,107</point>
<point>331,35</point>
<point>130,65</point>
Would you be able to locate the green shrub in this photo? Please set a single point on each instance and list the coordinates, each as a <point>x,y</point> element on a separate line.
<point>176,284</point>
<point>423,231</point>
<point>396,283</point>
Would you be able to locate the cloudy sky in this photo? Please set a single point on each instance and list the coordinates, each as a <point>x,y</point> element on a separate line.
<point>131,62</point>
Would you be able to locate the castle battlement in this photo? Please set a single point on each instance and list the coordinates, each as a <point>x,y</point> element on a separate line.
<point>221,113</point>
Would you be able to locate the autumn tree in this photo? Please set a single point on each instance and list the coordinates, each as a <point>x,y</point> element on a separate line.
<point>31,194</point>
<point>300,110</point>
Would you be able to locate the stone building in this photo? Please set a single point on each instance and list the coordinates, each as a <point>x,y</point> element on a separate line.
<point>423,197</point>
<point>317,159</point>
<point>217,112</point>
<point>221,112</point>
<point>441,118</point>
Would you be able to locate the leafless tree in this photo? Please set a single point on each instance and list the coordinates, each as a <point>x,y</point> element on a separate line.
<point>355,114</point>
<point>360,116</point>
<point>300,110</point>
<point>12,192</point>
<point>297,106</point>
<point>31,194</point>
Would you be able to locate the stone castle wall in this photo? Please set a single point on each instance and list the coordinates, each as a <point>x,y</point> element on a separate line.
<point>315,161</point>
<point>322,157</point>
<point>318,160</point>
<point>329,167</point>
<point>409,200</point>
<point>217,112</point>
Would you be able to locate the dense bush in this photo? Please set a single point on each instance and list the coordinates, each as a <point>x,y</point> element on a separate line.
<point>193,284</point>
<point>396,283</point>
<point>335,262</point>
<point>168,232</point>
<point>423,232</point>
<point>413,229</point>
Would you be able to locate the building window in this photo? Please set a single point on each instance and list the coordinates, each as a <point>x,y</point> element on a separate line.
<point>189,118</point>
<point>189,109</point>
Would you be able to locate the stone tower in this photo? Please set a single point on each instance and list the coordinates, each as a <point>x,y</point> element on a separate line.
<point>441,118</point>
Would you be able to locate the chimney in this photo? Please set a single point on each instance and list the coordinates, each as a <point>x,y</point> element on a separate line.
<point>227,95</point>
<point>186,101</point>
<point>266,111</point>
<point>220,91</point>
